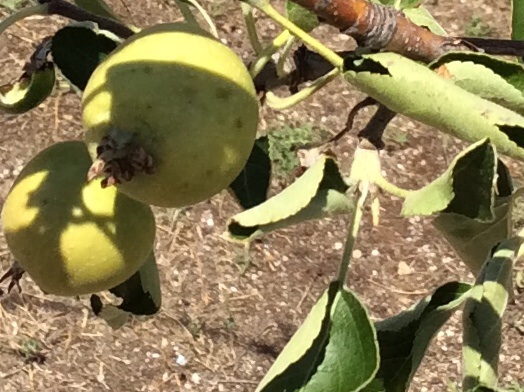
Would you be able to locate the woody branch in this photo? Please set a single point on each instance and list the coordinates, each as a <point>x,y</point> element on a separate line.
<point>382,27</point>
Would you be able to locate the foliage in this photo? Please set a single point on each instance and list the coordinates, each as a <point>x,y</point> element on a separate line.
<point>284,143</point>
<point>473,96</point>
<point>478,28</point>
<point>13,4</point>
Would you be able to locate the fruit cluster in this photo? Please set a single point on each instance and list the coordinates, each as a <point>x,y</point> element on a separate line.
<point>170,119</point>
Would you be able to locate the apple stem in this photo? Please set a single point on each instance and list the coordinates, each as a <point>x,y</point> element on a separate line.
<point>277,103</point>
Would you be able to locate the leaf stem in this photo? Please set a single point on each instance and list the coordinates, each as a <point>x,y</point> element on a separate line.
<point>277,103</point>
<point>391,188</point>
<point>206,17</point>
<point>353,229</point>
<point>40,9</point>
<point>264,56</point>
<point>186,12</point>
<point>247,12</point>
<point>315,44</point>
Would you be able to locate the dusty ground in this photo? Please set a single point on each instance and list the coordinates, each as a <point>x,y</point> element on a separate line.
<point>228,323</point>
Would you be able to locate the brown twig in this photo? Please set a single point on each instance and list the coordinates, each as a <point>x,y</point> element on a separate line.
<point>376,126</point>
<point>368,101</point>
<point>381,27</point>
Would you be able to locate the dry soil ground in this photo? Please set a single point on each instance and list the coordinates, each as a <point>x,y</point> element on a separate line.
<point>228,321</point>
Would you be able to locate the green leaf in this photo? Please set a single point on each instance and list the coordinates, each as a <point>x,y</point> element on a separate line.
<point>250,187</point>
<point>473,240</point>
<point>483,314</point>
<point>500,81</point>
<point>78,61</point>
<point>397,82</point>
<point>318,193</point>
<point>517,19</point>
<point>404,338</point>
<point>335,349</point>
<point>29,91</point>
<point>141,295</point>
<point>13,5</point>
<point>402,4</point>
<point>422,17</point>
<point>467,187</point>
<point>283,143</point>
<point>301,17</point>
<point>98,7</point>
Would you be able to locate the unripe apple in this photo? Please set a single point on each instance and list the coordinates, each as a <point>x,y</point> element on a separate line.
<point>172,115</point>
<point>72,236</point>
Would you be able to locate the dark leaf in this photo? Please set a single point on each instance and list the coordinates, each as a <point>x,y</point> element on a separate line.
<point>29,91</point>
<point>334,350</point>
<point>404,338</point>
<point>77,51</point>
<point>251,185</point>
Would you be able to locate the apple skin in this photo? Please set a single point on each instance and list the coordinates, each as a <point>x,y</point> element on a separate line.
<point>73,237</point>
<point>187,99</point>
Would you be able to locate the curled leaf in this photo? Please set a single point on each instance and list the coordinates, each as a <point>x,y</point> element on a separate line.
<point>251,185</point>
<point>497,80</point>
<point>398,83</point>
<point>404,338</point>
<point>77,62</point>
<point>473,239</point>
<point>141,296</point>
<point>335,349</point>
<point>467,187</point>
<point>33,87</point>
<point>483,314</point>
<point>318,192</point>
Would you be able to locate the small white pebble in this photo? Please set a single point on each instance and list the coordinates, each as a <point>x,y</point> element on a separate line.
<point>181,360</point>
<point>337,245</point>
<point>357,254</point>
